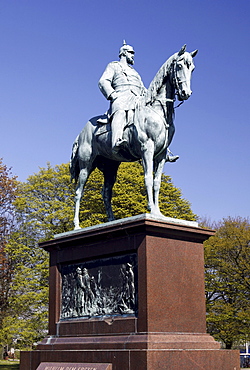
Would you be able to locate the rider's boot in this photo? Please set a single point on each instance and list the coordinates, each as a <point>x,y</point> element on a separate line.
<point>172,158</point>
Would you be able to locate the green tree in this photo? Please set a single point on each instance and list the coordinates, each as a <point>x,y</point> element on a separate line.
<point>8,191</point>
<point>45,203</point>
<point>227,277</point>
<point>28,295</point>
<point>44,207</point>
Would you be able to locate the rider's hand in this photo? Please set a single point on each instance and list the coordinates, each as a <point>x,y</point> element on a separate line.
<point>113,96</point>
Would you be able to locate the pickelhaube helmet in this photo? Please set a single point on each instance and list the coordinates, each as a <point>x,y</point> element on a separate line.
<point>126,47</point>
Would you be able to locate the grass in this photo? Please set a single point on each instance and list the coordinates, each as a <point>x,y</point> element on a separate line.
<point>9,365</point>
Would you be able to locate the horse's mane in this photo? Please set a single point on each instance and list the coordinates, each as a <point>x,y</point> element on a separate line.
<point>157,82</point>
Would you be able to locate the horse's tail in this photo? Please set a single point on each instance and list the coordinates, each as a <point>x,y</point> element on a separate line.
<point>74,163</point>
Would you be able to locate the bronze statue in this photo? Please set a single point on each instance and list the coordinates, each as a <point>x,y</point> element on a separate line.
<point>123,86</point>
<point>145,130</point>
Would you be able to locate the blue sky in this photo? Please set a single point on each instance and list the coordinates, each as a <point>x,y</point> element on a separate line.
<point>54,52</point>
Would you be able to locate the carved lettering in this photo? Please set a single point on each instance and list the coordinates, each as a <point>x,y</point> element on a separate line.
<point>73,366</point>
<point>69,368</point>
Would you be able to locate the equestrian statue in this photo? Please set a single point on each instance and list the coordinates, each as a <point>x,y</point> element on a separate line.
<point>138,126</point>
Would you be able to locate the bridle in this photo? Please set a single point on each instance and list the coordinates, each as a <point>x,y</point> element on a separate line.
<point>177,82</point>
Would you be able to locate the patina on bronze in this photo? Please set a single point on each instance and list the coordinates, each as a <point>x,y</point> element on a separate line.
<point>102,287</point>
<point>146,126</point>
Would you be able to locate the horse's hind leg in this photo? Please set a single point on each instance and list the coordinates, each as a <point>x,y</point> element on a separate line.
<point>109,170</point>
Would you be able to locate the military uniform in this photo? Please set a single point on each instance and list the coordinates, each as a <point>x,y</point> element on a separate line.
<point>123,86</point>
<point>125,82</point>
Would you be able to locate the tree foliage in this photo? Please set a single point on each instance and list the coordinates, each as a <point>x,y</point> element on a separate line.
<point>46,201</point>
<point>28,295</point>
<point>8,190</point>
<point>45,207</point>
<point>42,209</point>
<point>227,269</point>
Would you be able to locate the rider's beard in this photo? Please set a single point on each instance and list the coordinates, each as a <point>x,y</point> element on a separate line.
<point>130,60</point>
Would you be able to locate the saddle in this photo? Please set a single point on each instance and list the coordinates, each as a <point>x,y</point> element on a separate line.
<point>104,124</point>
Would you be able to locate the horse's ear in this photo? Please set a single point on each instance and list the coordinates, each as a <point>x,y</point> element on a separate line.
<point>183,49</point>
<point>193,53</point>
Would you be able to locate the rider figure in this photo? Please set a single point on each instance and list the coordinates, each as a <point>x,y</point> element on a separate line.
<point>122,85</point>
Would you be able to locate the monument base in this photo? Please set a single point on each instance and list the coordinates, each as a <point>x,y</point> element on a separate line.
<point>134,359</point>
<point>145,309</point>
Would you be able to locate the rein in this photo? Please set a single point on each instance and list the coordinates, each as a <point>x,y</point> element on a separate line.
<point>165,121</point>
<point>177,106</point>
<point>177,83</point>
<point>164,101</point>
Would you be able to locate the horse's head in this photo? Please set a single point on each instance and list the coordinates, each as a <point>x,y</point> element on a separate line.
<point>182,72</point>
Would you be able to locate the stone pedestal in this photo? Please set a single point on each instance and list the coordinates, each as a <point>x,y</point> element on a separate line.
<point>158,325</point>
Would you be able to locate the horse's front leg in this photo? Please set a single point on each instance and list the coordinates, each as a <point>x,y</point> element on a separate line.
<point>158,169</point>
<point>83,176</point>
<point>77,207</point>
<point>147,161</point>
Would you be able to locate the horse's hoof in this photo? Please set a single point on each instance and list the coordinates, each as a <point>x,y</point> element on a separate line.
<point>77,228</point>
<point>157,214</point>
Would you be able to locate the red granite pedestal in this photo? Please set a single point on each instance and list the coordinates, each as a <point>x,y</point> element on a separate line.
<point>168,329</point>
